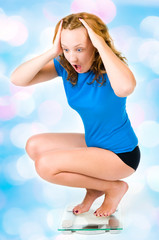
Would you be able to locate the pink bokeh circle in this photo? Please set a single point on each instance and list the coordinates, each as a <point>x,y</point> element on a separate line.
<point>7,108</point>
<point>105,9</point>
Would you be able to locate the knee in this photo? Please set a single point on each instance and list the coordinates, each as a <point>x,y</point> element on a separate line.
<point>32,147</point>
<point>40,167</point>
<point>48,165</point>
<point>43,168</point>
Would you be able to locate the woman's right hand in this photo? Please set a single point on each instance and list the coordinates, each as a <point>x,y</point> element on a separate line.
<point>57,49</point>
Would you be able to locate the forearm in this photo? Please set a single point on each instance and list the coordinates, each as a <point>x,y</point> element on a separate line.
<point>121,78</point>
<point>23,74</point>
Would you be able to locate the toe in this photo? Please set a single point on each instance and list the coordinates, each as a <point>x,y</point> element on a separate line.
<point>98,214</point>
<point>76,212</point>
<point>76,209</point>
<point>102,215</point>
<point>105,214</point>
<point>98,210</point>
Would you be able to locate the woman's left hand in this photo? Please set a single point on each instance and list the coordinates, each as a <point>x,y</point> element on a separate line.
<point>95,38</point>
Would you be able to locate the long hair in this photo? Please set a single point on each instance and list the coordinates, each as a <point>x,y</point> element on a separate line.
<point>72,22</point>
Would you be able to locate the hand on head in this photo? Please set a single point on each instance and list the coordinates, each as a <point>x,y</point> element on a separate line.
<point>57,42</point>
<point>95,38</point>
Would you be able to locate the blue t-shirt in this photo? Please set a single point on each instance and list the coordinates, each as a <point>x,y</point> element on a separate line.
<point>103,113</point>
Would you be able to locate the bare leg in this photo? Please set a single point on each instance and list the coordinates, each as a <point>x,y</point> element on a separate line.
<point>44,142</point>
<point>91,196</point>
<point>40,143</point>
<point>113,190</point>
<point>91,168</point>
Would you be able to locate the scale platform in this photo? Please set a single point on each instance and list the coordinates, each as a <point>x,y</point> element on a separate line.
<point>88,223</point>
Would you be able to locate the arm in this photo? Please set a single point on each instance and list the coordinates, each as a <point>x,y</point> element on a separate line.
<point>121,78</point>
<point>36,70</point>
<point>40,68</point>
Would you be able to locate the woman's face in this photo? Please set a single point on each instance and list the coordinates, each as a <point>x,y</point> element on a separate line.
<point>77,48</point>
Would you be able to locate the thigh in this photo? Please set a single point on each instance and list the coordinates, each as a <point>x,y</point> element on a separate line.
<point>91,161</point>
<point>45,142</point>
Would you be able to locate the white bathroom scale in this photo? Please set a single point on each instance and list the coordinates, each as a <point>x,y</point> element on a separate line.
<point>88,223</point>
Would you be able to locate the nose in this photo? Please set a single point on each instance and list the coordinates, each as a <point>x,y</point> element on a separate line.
<point>72,57</point>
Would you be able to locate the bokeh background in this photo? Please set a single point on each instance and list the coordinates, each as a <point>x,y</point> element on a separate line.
<point>30,208</point>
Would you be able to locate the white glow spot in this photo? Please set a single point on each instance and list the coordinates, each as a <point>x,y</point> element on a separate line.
<point>38,236</point>
<point>50,112</point>
<point>51,219</point>
<point>153,178</point>
<point>13,30</point>
<point>70,237</point>
<point>152,90</point>
<point>30,229</point>
<point>25,167</point>
<point>136,183</point>
<point>136,187</point>
<point>46,37</point>
<point>54,195</point>
<point>40,215</point>
<point>15,89</point>
<point>136,113</point>
<point>122,37</point>
<point>149,53</point>
<point>12,220</point>
<point>133,48</point>
<point>148,134</point>
<point>12,174</point>
<point>150,25</point>
<point>141,224</point>
<point>21,132</point>
<point>37,127</point>
<point>24,103</point>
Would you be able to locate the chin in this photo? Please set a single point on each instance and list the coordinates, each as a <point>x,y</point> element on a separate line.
<point>87,70</point>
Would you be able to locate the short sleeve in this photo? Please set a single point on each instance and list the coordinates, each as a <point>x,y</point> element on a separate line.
<point>58,67</point>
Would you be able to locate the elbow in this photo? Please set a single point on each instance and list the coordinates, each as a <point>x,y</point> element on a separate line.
<point>14,80</point>
<point>127,90</point>
<point>125,93</point>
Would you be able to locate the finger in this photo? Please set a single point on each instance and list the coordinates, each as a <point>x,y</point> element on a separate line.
<point>84,23</point>
<point>60,28</point>
<point>58,35</point>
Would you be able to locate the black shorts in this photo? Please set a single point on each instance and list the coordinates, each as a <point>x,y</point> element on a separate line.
<point>132,158</point>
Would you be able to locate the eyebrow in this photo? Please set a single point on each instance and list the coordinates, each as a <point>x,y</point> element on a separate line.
<point>74,46</point>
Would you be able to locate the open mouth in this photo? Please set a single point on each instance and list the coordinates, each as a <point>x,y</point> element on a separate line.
<point>77,67</point>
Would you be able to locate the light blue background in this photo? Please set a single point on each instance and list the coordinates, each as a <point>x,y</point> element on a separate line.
<point>30,208</point>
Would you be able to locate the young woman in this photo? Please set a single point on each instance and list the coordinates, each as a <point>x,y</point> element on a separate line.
<point>97,82</point>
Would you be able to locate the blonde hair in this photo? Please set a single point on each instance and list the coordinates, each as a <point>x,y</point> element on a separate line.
<point>72,22</point>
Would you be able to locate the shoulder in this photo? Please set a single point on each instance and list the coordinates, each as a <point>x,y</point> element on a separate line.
<point>59,68</point>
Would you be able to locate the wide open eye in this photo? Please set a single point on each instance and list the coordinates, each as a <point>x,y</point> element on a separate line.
<point>65,49</point>
<point>79,49</point>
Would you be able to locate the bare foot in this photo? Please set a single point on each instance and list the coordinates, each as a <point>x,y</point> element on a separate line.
<point>90,197</point>
<point>112,198</point>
